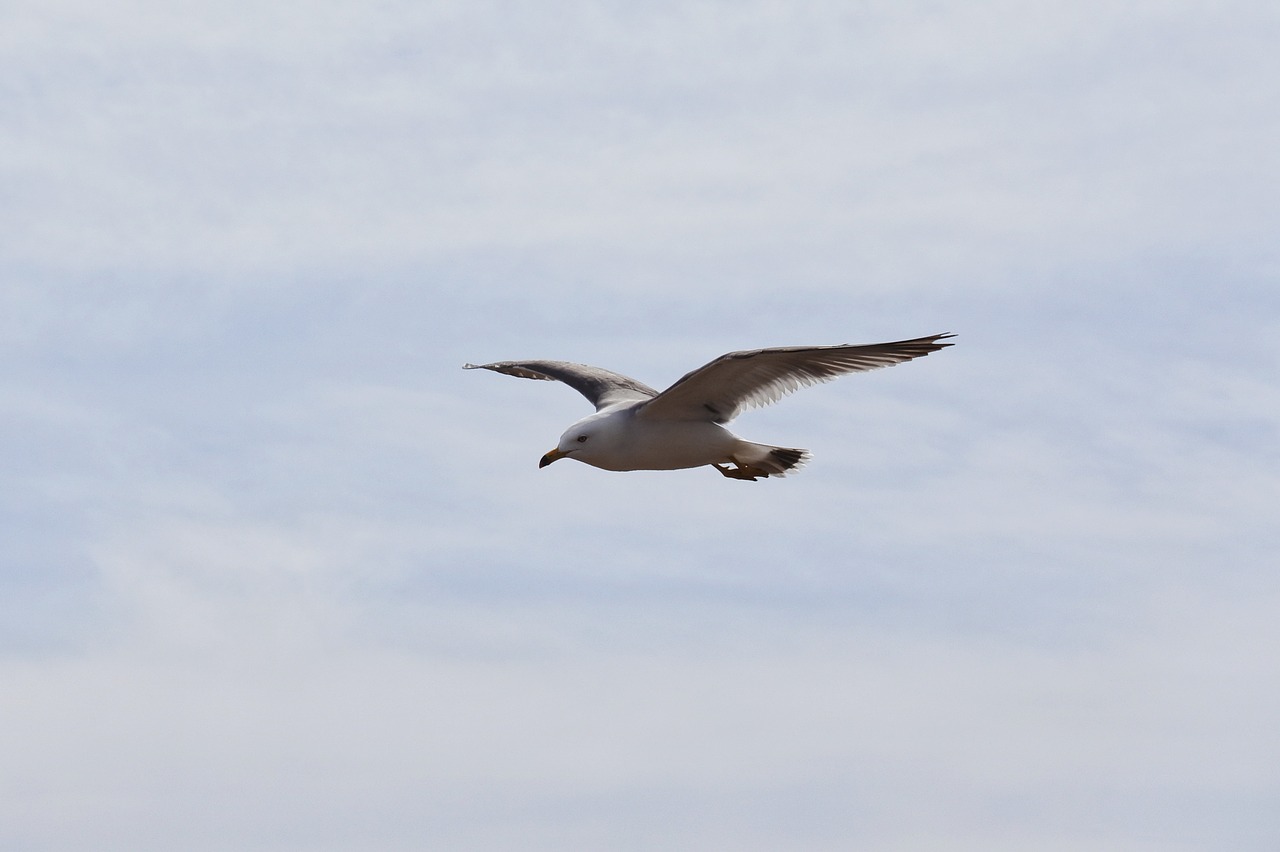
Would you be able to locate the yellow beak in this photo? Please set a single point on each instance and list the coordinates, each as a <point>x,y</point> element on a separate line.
<point>554,455</point>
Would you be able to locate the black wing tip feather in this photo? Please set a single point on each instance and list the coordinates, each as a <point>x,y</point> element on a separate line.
<point>519,369</point>
<point>932,341</point>
<point>924,344</point>
<point>927,340</point>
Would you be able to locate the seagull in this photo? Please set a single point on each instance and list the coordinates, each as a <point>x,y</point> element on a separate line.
<point>637,428</point>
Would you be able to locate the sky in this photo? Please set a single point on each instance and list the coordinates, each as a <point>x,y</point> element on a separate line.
<point>276,574</point>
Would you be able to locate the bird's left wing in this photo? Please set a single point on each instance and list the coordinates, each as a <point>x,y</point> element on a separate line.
<point>601,387</point>
<point>718,391</point>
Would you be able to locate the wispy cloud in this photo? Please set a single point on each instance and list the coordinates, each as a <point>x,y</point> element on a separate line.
<point>278,574</point>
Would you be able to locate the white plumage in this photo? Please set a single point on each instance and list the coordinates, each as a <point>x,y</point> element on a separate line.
<point>637,428</point>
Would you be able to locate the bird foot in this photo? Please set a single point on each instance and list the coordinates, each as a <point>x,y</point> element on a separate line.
<point>741,471</point>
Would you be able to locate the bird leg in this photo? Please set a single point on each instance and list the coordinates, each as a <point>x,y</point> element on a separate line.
<point>741,471</point>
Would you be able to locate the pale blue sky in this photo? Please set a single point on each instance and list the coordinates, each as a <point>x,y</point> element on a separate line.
<point>276,574</point>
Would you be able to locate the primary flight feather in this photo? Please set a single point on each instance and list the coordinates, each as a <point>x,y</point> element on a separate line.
<point>638,428</point>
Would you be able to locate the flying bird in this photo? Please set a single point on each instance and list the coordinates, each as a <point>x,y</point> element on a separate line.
<point>637,428</point>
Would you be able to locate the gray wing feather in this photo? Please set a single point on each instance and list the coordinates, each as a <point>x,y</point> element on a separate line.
<point>601,387</point>
<point>719,390</point>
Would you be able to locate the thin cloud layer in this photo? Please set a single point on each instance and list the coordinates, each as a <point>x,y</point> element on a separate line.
<point>278,574</point>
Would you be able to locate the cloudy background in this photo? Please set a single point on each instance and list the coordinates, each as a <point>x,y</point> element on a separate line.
<point>276,575</point>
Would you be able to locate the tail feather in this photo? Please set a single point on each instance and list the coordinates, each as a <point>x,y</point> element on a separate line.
<point>787,459</point>
<point>770,461</point>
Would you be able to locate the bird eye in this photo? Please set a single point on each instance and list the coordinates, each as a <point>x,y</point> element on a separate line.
<point>582,439</point>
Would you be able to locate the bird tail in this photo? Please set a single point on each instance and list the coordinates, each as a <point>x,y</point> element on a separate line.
<point>770,461</point>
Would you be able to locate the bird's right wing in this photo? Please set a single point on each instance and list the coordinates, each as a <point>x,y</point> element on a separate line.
<point>601,387</point>
<point>719,390</point>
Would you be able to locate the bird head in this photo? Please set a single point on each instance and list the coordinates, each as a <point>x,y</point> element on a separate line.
<point>585,441</point>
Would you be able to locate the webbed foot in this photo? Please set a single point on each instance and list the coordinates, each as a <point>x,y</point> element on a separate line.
<point>741,471</point>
